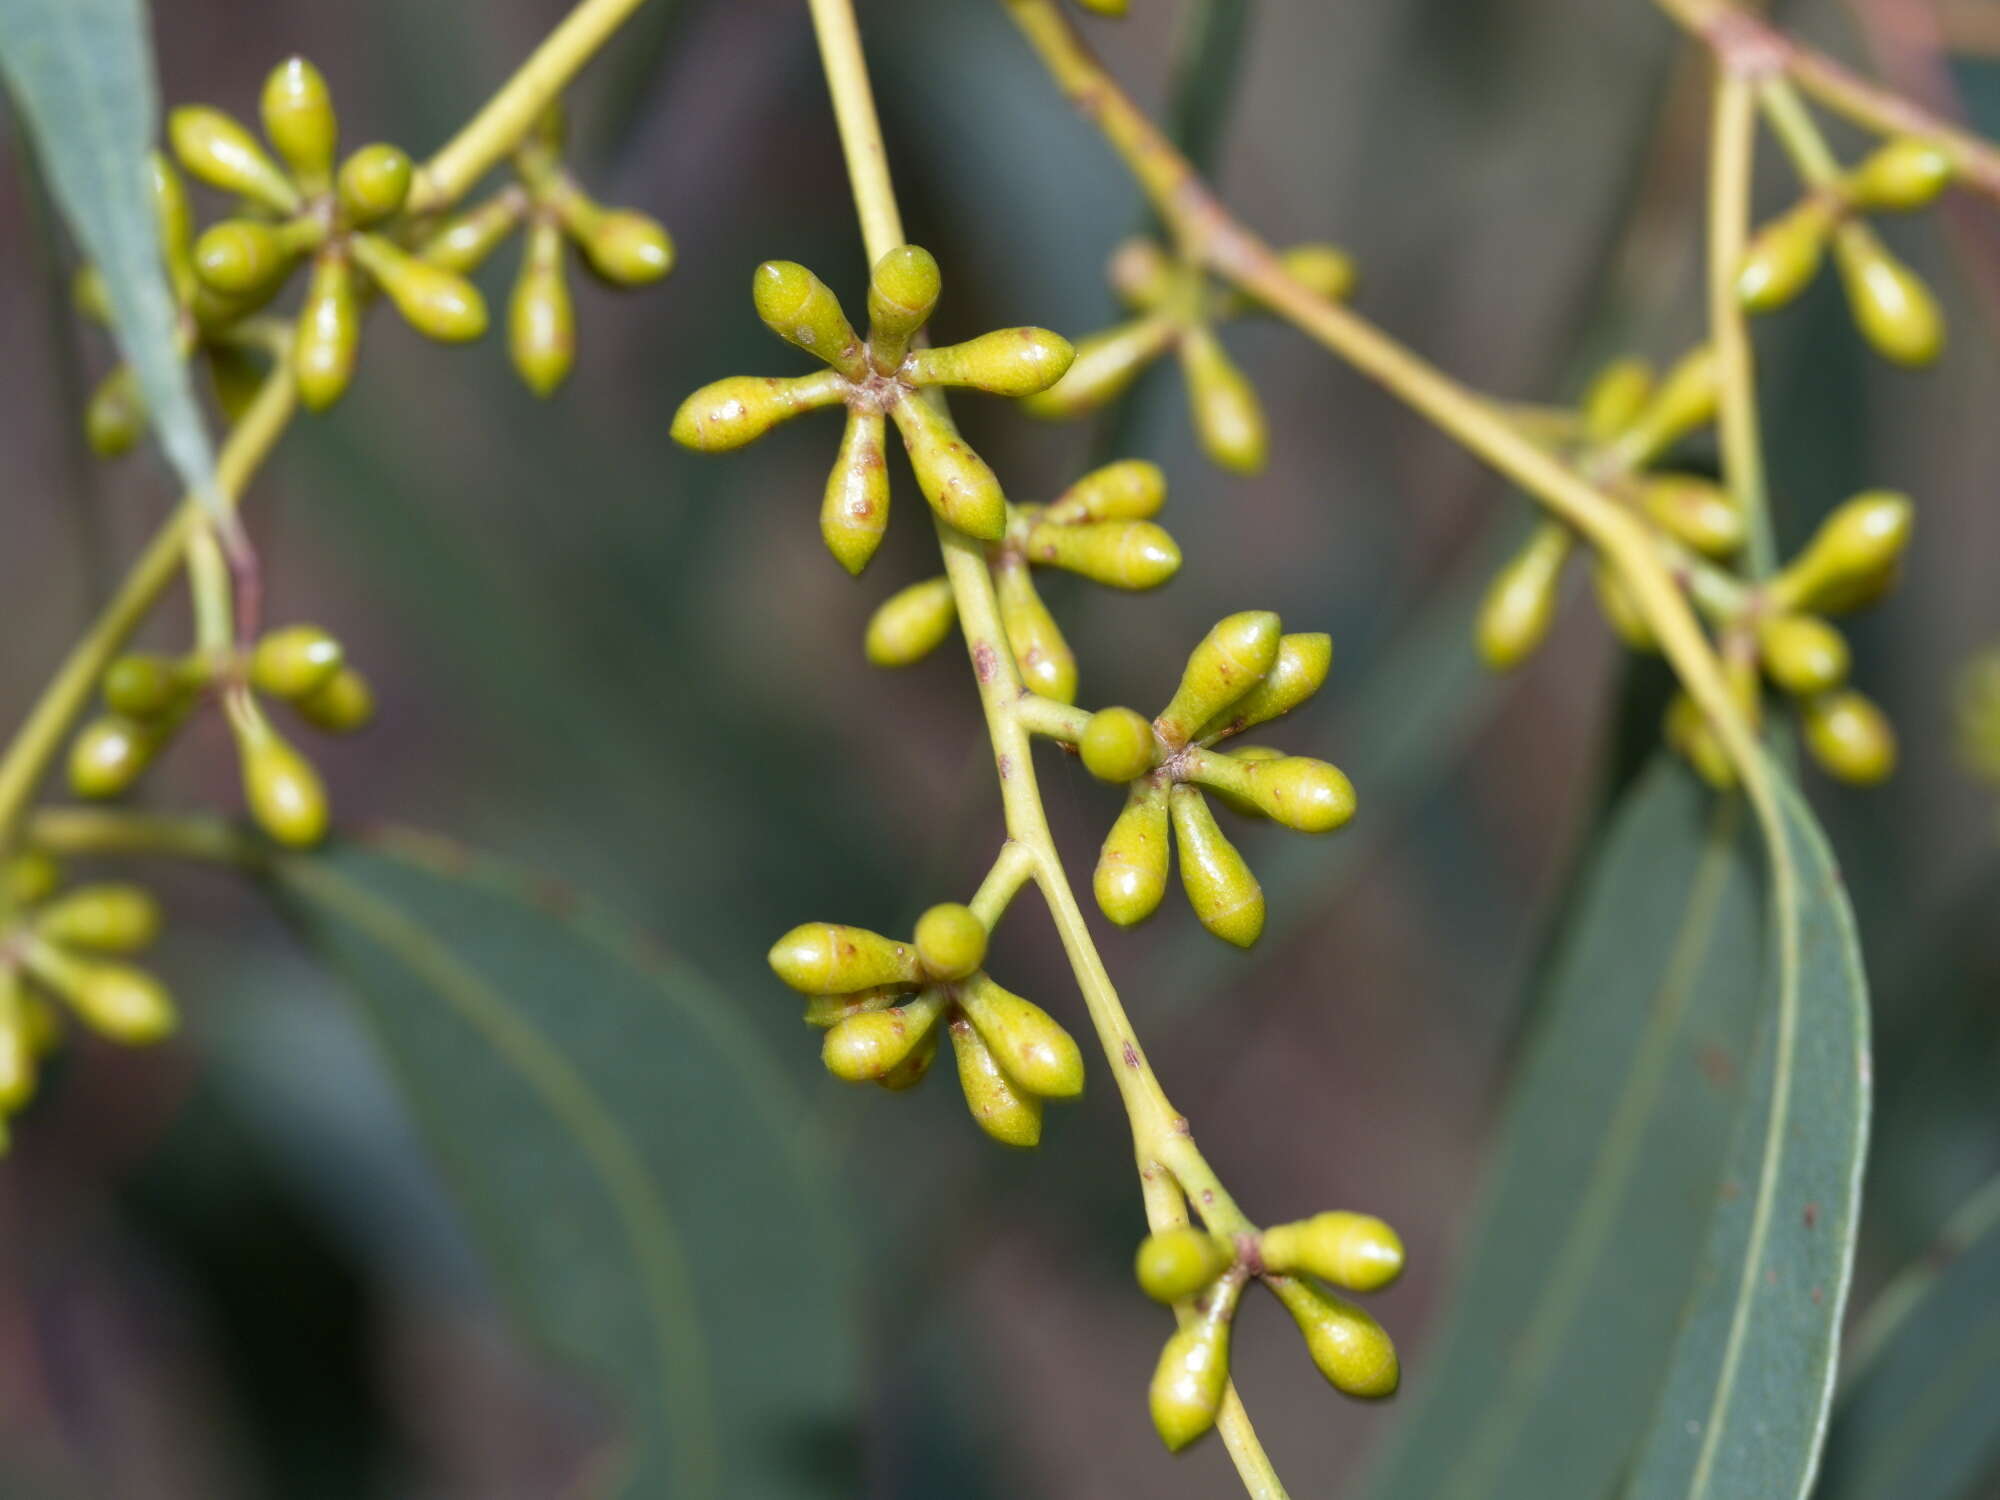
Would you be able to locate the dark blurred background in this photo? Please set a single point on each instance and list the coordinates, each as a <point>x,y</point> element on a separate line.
<point>226,1271</point>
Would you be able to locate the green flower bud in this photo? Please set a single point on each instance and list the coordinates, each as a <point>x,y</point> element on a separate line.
<point>328,340</point>
<point>1243,806</point>
<point>1617,395</point>
<point>1616,603</point>
<point>1227,415</point>
<point>222,154</point>
<point>911,623</point>
<point>110,754</point>
<point>241,257</point>
<point>1520,604</point>
<point>1046,663</point>
<point>116,414</point>
<point>1230,661</point>
<point>343,704</point>
<point>729,413</point>
<point>1131,489</point>
<point>1029,1044</point>
<point>825,1011</point>
<point>90,296</point>
<point>17,1053</point>
<point>1189,1381</point>
<point>374,182</point>
<point>298,119</point>
<point>820,958</point>
<point>1352,1352</point>
<point>1132,867</point>
<point>1009,1114</point>
<point>1892,307</point>
<point>951,941</point>
<point>1802,653</point>
<point>1324,270</point>
<point>800,309</point>
<point>541,320</point>
<point>1696,512</point>
<point>623,246</point>
<point>1102,367</point>
<point>1851,559</point>
<point>1355,1251</point>
<point>1850,737</point>
<point>902,293</point>
<point>910,1072</point>
<point>295,662</point>
<point>140,686</point>
<point>1303,660</point>
<point>1786,255</point>
<point>1118,745</point>
<point>236,375</point>
<point>1907,173</point>
<point>1115,8</point>
<point>868,1047</point>
<point>1177,1263</point>
<point>855,511</point>
<point>1689,732</point>
<point>175,218</point>
<point>954,479</point>
<point>1118,554</point>
<point>463,243</point>
<point>1307,795</point>
<point>105,918</point>
<point>1141,273</point>
<point>1224,894</point>
<point>116,1000</point>
<point>1685,400</point>
<point>437,303</point>
<point>29,877</point>
<point>282,789</point>
<point>1006,362</point>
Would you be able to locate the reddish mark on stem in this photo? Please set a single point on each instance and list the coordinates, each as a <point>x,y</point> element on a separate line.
<point>1006,767</point>
<point>1131,1056</point>
<point>985,662</point>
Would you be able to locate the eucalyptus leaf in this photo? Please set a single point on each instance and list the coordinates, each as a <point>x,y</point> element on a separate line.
<point>81,74</point>
<point>1609,1148</point>
<point>640,1177</point>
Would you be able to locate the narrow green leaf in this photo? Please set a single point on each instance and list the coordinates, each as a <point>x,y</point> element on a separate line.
<point>1917,1418</point>
<point>1744,1409</point>
<point>81,74</point>
<point>636,1171</point>
<point>1610,1146</point>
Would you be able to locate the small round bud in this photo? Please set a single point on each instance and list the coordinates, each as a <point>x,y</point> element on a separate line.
<point>1131,489</point>
<point>868,1047</point>
<point>1118,554</point>
<point>1355,1251</point>
<point>1118,745</point>
<point>294,662</point>
<point>951,941</point>
<point>729,413</point>
<point>800,309</point>
<point>241,257</point>
<point>1786,255</point>
<point>1802,653</point>
<point>1189,1381</point>
<point>1224,894</point>
<point>1520,604</point>
<point>109,756</point>
<point>222,154</point>
<point>954,479</point>
<point>1696,512</point>
<point>1324,270</point>
<point>854,512</point>
<point>282,789</point>
<point>1617,394</point>
<point>105,918</point>
<point>627,248</point>
<point>902,293</point>
<point>1892,307</point>
<point>1907,173</point>
<point>435,302</point>
<point>1004,1111</point>
<point>1006,362</point>
<point>1230,661</point>
<point>30,877</point>
<point>297,109</point>
<point>911,623</point>
<point>1228,418</point>
<point>1031,1046</point>
<point>1177,1263</point>
<point>1349,1347</point>
<point>374,182</point>
<point>116,414</point>
<point>1131,877</point>
<point>328,340</point>
<point>1103,366</point>
<point>1046,663</point>
<point>1850,738</point>
<point>541,319</point>
<point>343,704</point>
<point>820,958</point>
<point>140,686</point>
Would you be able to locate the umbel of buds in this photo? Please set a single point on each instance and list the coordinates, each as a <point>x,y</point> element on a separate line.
<point>878,379</point>
<point>1203,1274</point>
<point>884,1005</point>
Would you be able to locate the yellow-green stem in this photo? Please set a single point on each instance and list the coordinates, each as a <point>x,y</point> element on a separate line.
<point>1732,156</point>
<point>1798,132</point>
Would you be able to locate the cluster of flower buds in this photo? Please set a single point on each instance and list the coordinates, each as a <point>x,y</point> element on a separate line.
<point>1176,307</point>
<point>877,379</point>
<point>1100,528</point>
<point>1245,672</point>
<point>1204,1274</point>
<point>65,945</point>
<point>147,697</point>
<point>1773,630</point>
<point>883,1004</point>
<point>1892,307</point>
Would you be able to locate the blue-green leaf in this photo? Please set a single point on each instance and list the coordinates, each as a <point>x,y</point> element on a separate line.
<point>641,1179</point>
<point>81,74</point>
